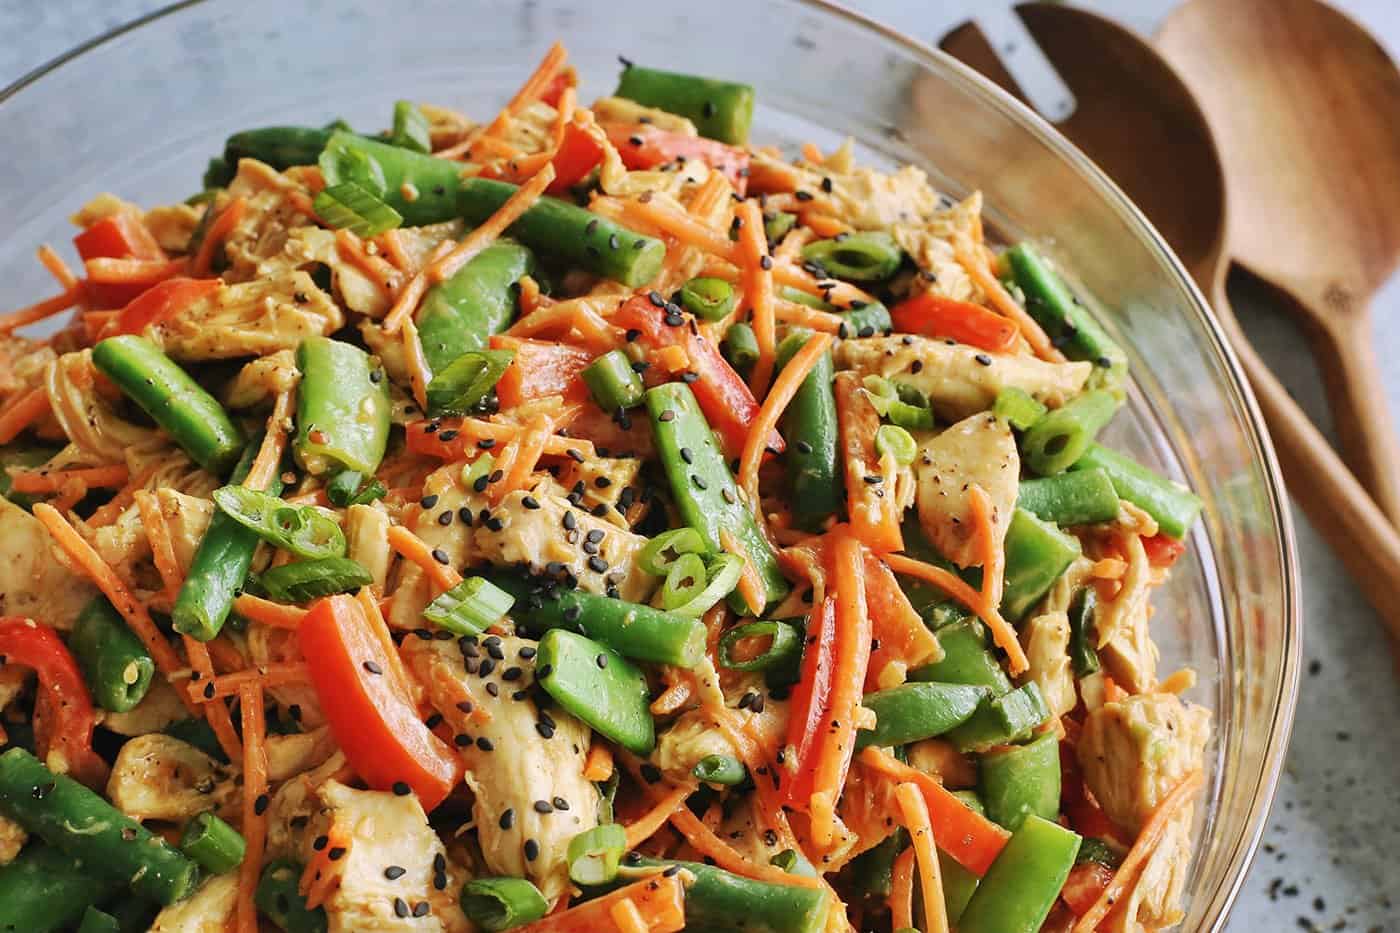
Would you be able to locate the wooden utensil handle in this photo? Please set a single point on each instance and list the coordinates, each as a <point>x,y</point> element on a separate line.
<point>1346,517</point>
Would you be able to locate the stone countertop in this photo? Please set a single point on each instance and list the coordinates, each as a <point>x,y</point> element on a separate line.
<point>1327,861</point>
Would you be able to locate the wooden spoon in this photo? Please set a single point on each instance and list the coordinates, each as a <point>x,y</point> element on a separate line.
<point>1137,120</point>
<point>1305,106</point>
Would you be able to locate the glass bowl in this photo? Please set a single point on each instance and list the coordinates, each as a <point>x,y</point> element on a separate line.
<point>139,112</point>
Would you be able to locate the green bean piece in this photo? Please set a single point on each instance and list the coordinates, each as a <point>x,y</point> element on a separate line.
<point>220,565</point>
<point>777,224</point>
<point>177,403</point>
<point>1058,440</point>
<point>1083,650</point>
<point>784,645</point>
<point>1018,408</point>
<point>865,320</point>
<point>470,607</point>
<point>1016,894</point>
<point>308,580</point>
<point>482,298</point>
<point>594,854</point>
<point>97,921</point>
<point>1021,781</point>
<point>913,712</point>
<point>214,844</point>
<point>278,899</point>
<point>1067,323</point>
<point>1036,554</point>
<point>857,257</point>
<point>570,233</point>
<point>810,421</point>
<point>279,146</point>
<point>709,299</point>
<point>721,110</point>
<point>67,815</point>
<point>115,664</point>
<point>1082,497</point>
<point>1002,720</point>
<point>725,770</point>
<point>411,130</point>
<point>303,530</point>
<point>966,659</point>
<point>342,408</point>
<point>1172,505</point>
<point>740,346</point>
<point>599,686</point>
<point>717,901</point>
<point>501,903</point>
<point>421,188</point>
<point>46,890</point>
<point>614,383</point>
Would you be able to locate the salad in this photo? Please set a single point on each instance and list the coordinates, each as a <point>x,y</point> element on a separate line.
<point>582,520</point>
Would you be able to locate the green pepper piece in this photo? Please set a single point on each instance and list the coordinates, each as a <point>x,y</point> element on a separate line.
<point>423,189</point>
<point>1065,321</point>
<point>1059,439</point>
<point>45,890</point>
<point>1036,554</point>
<point>810,420</point>
<point>599,686</point>
<point>342,408</point>
<point>1078,498</point>
<point>116,666</point>
<point>1021,781</point>
<point>1002,720</point>
<point>1016,894</point>
<point>480,299</point>
<point>966,659</point>
<point>303,530</point>
<point>177,403</point>
<point>717,901</point>
<point>277,897</point>
<point>912,712</point>
<point>721,110</point>
<point>1172,505</point>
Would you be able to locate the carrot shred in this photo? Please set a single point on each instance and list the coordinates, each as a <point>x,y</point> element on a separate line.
<point>750,583</point>
<point>222,226</point>
<point>40,481</point>
<point>916,820</point>
<point>392,244</point>
<point>106,270</point>
<point>105,578</point>
<point>1147,841</point>
<point>22,412</point>
<point>902,891</point>
<point>660,901</point>
<point>1003,302</point>
<point>411,547</point>
<point>758,293</point>
<point>250,701</point>
<point>275,674</point>
<point>598,766</point>
<point>162,548</point>
<point>528,93</point>
<point>379,271</point>
<point>322,873</point>
<point>274,443</point>
<point>57,267</point>
<point>40,310</point>
<point>672,699</point>
<point>529,446</point>
<point>774,404</point>
<point>703,840</point>
<point>123,499</point>
<point>473,430</point>
<point>824,225</point>
<point>993,557</point>
<point>266,612</point>
<point>1178,681</point>
<point>646,826</point>
<point>418,372</point>
<point>216,713</point>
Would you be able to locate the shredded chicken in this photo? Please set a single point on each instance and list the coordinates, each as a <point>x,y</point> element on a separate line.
<point>159,777</point>
<point>34,582</point>
<point>209,909</point>
<point>251,318</point>
<point>935,242</point>
<point>261,380</point>
<point>89,419</point>
<point>366,540</point>
<point>979,450</point>
<point>1125,645</point>
<point>622,110</point>
<point>1045,639</point>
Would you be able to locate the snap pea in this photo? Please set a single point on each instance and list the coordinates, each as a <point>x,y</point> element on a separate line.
<point>1172,506</point>
<point>966,659</point>
<point>740,346</point>
<point>303,581</point>
<point>1083,651</point>
<point>721,110</point>
<point>1016,894</point>
<point>45,889</point>
<point>570,233</point>
<point>1077,498</point>
<point>856,257</point>
<point>342,408</point>
<point>480,299</point>
<point>214,844</point>
<point>303,530</point>
<point>279,146</point>
<point>1065,321</point>
<point>598,686</point>
<point>1021,781</point>
<point>421,188</point>
<point>67,815</point>
<point>810,420</point>
<point>348,487</point>
<point>116,666</point>
<point>959,885</point>
<point>277,897</point>
<point>1056,441</point>
<point>1036,554</point>
<point>177,403</point>
<point>872,872</point>
<point>912,712</point>
<point>717,901</point>
<point>1002,720</point>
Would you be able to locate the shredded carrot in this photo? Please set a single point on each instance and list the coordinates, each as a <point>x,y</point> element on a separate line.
<point>418,372</point>
<point>598,766</point>
<point>323,872</point>
<point>379,271</point>
<point>714,189</point>
<point>216,713</point>
<point>250,701</point>
<point>1001,300</point>
<point>530,296</point>
<point>528,449</point>
<point>660,900</point>
<point>671,699</point>
<point>758,293</point>
<point>23,412</point>
<point>1178,681</point>
<point>476,429</point>
<point>993,556</point>
<point>563,115</point>
<point>123,499</point>
<point>40,481</point>
<point>687,229</point>
<point>824,225</point>
<point>791,312</point>
<point>105,578</point>
<point>275,674</point>
<point>40,310</point>
<point>902,891</point>
<point>530,91</point>
<point>57,267</point>
<point>104,270</point>
<point>162,548</point>
<point>1147,841</point>
<point>554,320</point>
<point>1112,693</point>
<point>776,402</point>
<point>392,244</point>
<point>222,226</point>
<point>411,547</point>
<point>627,917</point>
<point>916,820</point>
<point>459,705</point>
<point>750,583</point>
<point>274,443</point>
<point>645,826</point>
<point>265,612</point>
<point>706,843</point>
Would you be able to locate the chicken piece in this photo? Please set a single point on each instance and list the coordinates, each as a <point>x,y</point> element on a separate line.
<point>88,419</point>
<point>603,481</point>
<point>173,226</point>
<point>689,739</point>
<point>1154,901</point>
<point>158,709</point>
<point>414,590</point>
<point>268,218</point>
<point>249,319</point>
<point>977,450</point>
<point>366,540</point>
<point>267,645</point>
<point>513,769</point>
<point>549,531</point>
<point>261,380</point>
<point>1045,639</point>
<point>297,752</point>
<point>160,777</point>
<point>385,829</point>
<point>209,909</point>
<point>952,376</point>
<point>622,110</point>
<point>1121,624</point>
<point>187,518</point>
<point>939,758</point>
<point>871,200</point>
<point>12,839</point>
<point>22,365</point>
<point>34,583</point>
<point>935,243</point>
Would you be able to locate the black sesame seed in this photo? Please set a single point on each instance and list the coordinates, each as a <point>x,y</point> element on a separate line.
<point>421,909</point>
<point>433,721</point>
<point>766,262</point>
<point>400,907</point>
<point>597,564</point>
<point>530,502</point>
<point>532,850</point>
<point>486,443</point>
<point>601,660</point>
<point>428,502</point>
<point>440,556</point>
<point>507,819</point>
<point>401,789</point>
<point>445,517</point>
<point>543,806</point>
<point>320,842</point>
<point>461,740</point>
<point>574,455</point>
<point>449,435</point>
<point>592,226</point>
<point>984,359</point>
<point>699,483</point>
<point>373,667</point>
<point>394,872</point>
<point>803,447</point>
<point>485,744</point>
<point>336,854</point>
<point>570,522</point>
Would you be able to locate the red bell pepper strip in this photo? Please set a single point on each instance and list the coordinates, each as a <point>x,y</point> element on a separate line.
<point>163,301</point>
<point>811,698</point>
<point>725,400</point>
<point>119,236</point>
<point>373,719</point>
<point>66,715</point>
<point>567,77</point>
<point>870,502</point>
<point>933,315</point>
<point>644,147</point>
<point>1084,886</point>
<point>1162,549</point>
<point>539,370</point>
<point>894,622</point>
<point>578,154</point>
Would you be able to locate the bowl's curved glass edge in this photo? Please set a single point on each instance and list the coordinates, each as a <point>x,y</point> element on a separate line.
<point>1220,899</point>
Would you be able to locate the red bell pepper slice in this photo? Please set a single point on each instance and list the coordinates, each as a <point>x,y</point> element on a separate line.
<point>726,401</point>
<point>894,622</point>
<point>119,236</point>
<point>937,316</point>
<point>567,77</point>
<point>373,719</point>
<point>163,301</point>
<point>811,699</point>
<point>1162,549</point>
<point>644,147</point>
<point>539,370</point>
<point>1086,882</point>
<point>578,154</point>
<point>65,714</point>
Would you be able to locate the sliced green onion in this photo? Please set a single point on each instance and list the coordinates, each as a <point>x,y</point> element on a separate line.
<point>481,466</point>
<point>857,257</point>
<point>348,488</point>
<point>720,769</point>
<point>724,571</point>
<point>684,581</point>
<point>865,320</point>
<point>911,395</point>
<point>595,854</point>
<point>1017,408</point>
<point>909,417</point>
<point>410,128</point>
<point>802,298</point>
<point>350,206</point>
<point>708,298</point>
<point>659,554</point>
<point>740,346</point>
<point>463,383</point>
<point>614,383</point>
<point>501,903</point>
<point>904,406</point>
<point>785,643</point>
<point>794,863</point>
<point>470,607</point>
<point>777,224</point>
<point>303,530</point>
<point>311,579</point>
<point>343,160</point>
<point>214,844</point>
<point>893,440</point>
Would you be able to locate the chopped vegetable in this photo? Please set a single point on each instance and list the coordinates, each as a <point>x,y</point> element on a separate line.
<point>116,666</point>
<point>613,382</point>
<point>311,579</point>
<point>342,408</point>
<point>599,686</point>
<point>302,530</point>
<point>856,257</point>
<point>470,607</point>
<point>594,855</point>
<point>721,110</point>
<point>502,903</point>
<point>709,299</point>
<point>214,844</point>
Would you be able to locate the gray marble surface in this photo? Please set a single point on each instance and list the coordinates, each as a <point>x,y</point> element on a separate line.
<point>1328,861</point>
